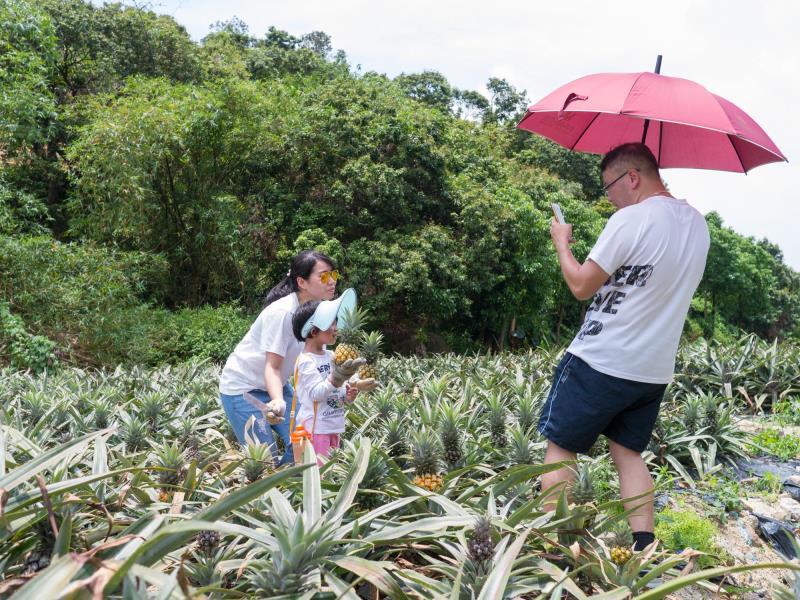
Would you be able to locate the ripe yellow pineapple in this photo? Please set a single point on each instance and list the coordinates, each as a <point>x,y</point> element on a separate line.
<point>621,555</point>
<point>621,547</point>
<point>350,325</point>
<point>431,481</point>
<point>371,351</point>
<point>425,453</point>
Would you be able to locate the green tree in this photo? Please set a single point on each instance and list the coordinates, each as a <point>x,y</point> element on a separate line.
<point>27,59</point>
<point>506,104</point>
<point>428,87</point>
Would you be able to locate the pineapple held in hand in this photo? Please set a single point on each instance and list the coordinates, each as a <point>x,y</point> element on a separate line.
<point>350,325</point>
<point>371,351</point>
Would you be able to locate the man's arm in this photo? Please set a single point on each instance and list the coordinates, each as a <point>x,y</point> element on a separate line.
<point>584,279</point>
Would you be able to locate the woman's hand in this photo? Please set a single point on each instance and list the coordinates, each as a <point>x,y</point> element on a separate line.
<point>274,411</point>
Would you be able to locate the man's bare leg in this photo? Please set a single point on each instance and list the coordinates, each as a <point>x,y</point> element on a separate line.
<point>634,480</point>
<point>557,478</point>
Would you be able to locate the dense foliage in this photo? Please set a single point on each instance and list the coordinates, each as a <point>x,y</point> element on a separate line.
<point>144,176</point>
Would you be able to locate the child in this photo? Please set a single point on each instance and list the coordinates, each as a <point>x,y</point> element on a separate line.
<point>321,386</point>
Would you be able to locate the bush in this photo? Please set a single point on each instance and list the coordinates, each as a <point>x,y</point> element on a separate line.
<point>206,332</point>
<point>683,529</point>
<point>21,349</point>
<point>91,301</point>
<point>774,441</point>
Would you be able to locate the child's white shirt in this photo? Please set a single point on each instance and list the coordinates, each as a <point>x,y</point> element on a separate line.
<point>314,387</point>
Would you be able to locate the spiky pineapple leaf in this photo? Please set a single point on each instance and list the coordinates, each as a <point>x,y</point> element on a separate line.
<point>161,545</point>
<point>495,584</point>
<point>312,489</point>
<point>349,487</point>
<point>47,459</point>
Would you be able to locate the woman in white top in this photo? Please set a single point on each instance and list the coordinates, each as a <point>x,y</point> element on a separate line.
<point>262,363</point>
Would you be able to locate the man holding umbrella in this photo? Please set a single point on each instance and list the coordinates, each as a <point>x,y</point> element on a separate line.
<point>640,276</point>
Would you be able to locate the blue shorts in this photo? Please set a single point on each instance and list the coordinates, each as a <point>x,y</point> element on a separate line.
<point>583,403</point>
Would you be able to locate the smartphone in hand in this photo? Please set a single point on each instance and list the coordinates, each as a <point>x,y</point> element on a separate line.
<point>557,212</point>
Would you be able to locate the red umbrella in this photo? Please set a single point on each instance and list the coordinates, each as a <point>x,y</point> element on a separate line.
<point>683,123</point>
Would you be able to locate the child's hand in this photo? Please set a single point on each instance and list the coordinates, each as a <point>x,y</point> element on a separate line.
<point>352,392</point>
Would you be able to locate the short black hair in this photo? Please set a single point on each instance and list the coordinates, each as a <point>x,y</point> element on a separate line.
<point>633,155</point>
<point>301,315</point>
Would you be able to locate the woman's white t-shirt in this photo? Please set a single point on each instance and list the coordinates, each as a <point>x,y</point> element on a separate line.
<point>314,387</point>
<point>656,253</point>
<point>271,332</point>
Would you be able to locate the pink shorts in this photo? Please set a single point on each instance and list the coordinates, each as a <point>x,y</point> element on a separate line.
<point>323,442</point>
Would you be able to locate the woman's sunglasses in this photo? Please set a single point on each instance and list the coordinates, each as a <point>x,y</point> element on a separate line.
<point>326,276</point>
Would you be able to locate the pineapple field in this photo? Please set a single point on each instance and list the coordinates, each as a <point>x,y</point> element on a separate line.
<point>128,483</point>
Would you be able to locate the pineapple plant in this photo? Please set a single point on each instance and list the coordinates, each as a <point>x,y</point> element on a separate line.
<point>169,459</point>
<point>521,451</point>
<point>204,571</point>
<point>425,458</point>
<point>497,420</point>
<point>583,490</point>
<point>134,434</point>
<point>692,414</point>
<point>35,404</point>
<point>383,404</point>
<point>527,412</point>
<point>151,406</point>
<point>371,351</point>
<point>103,409</point>
<point>396,440</point>
<point>185,430</point>
<point>257,458</point>
<point>450,434</point>
<point>39,558</point>
<point>268,580</point>
<point>480,546</point>
<point>350,326</point>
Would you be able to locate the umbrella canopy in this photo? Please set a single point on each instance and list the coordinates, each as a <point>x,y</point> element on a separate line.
<point>683,123</point>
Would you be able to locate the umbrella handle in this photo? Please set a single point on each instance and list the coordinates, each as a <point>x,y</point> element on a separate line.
<point>571,98</point>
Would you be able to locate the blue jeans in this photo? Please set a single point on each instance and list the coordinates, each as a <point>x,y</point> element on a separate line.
<point>239,410</point>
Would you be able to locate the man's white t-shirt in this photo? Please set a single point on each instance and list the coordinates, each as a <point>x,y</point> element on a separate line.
<point>314,387</point>
<point>271,332</point>
<point>656,253</point>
